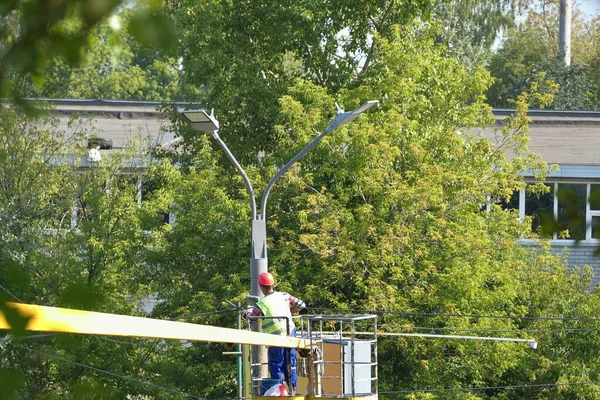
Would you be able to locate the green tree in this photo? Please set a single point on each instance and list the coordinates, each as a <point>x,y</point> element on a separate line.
<point>388,214</point>
<point>32,197</point>
<point>532,48</point>
<point>74,235</point>
<point>36,32</point>
<point>470,27</point>
<point>243,56</point>
<point>116,66</point>
<point>519,63</point>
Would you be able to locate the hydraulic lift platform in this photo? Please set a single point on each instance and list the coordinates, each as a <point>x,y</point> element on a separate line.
<point>341,360</point>
<point>339,351</point>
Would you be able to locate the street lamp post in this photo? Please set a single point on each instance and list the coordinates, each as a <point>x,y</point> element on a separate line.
<point>202,121</point>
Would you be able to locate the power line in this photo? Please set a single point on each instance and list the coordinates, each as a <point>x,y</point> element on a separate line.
<point>385,312</point>
<point>532,342</point>
<point>410,327</point>
<point>152,347</point>
<point>136,343</point>
<point>8,339</point>
<point>10,294</point>
<point>107,372</point>
<point>426,314</point>
<point>473,389</point>
<point>206,314</point>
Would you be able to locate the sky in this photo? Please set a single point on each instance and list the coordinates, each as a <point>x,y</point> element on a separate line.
<point>590,7</point>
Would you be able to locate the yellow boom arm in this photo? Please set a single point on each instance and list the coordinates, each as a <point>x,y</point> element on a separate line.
<point>54,319</point>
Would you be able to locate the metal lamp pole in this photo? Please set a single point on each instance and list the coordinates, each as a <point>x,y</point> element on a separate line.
<point>202,121</point>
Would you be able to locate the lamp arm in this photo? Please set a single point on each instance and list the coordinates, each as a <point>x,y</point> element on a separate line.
<point>265,196</point>
<point>239,168</point>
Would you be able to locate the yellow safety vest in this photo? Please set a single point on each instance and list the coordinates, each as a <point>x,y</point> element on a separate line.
<point>275,305</point>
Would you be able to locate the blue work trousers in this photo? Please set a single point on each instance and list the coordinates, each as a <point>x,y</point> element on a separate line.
<point>278,364</point>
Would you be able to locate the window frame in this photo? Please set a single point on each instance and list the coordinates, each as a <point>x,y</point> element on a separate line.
<point>589,213</point>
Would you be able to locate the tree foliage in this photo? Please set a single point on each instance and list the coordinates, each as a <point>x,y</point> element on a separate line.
<point>35,33</point>
<point>115,66</point>
<point>395,213</point>
<point>75,238</point>
<point>532,48</point>
<point>470,27</point>
<point>245,54</point>
<point>386,215</point>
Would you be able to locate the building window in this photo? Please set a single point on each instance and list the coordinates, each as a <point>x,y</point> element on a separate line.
<point>594,211</point>
<point>541,209</point>
<point>512,203</point>
<point>574,206</point>
<point>571,200</point>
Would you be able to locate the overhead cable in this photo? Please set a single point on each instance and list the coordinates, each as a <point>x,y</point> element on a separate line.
<point>425,328</point>
<point>449,315</point>
<point>10,294</point>
<point>472,389</point>
<point>9,338</point>
<point>107,372</point>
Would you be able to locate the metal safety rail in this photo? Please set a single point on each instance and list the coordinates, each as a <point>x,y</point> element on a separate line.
<point>347,365</point>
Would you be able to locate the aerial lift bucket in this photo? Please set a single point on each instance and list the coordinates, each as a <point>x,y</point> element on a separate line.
<point>341,361</point>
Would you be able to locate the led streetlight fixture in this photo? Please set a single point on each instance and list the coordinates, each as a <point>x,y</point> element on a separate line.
<point>365,106</point>
<point>201,120</point>
<point>345,117</point>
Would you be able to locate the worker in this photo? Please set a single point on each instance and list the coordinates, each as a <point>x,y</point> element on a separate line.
<point>278,304</point>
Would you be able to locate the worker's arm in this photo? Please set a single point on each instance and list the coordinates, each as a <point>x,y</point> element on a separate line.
<point>254,312</point>
<point>295,303</point>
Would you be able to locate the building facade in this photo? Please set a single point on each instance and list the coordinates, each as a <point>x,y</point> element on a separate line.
<point>570,140</point>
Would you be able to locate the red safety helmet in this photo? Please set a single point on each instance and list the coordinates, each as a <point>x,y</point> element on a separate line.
<point>266,279</point>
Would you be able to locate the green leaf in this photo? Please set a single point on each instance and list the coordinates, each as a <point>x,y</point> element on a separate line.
<point>17,321</point>
<point>11,381</point>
